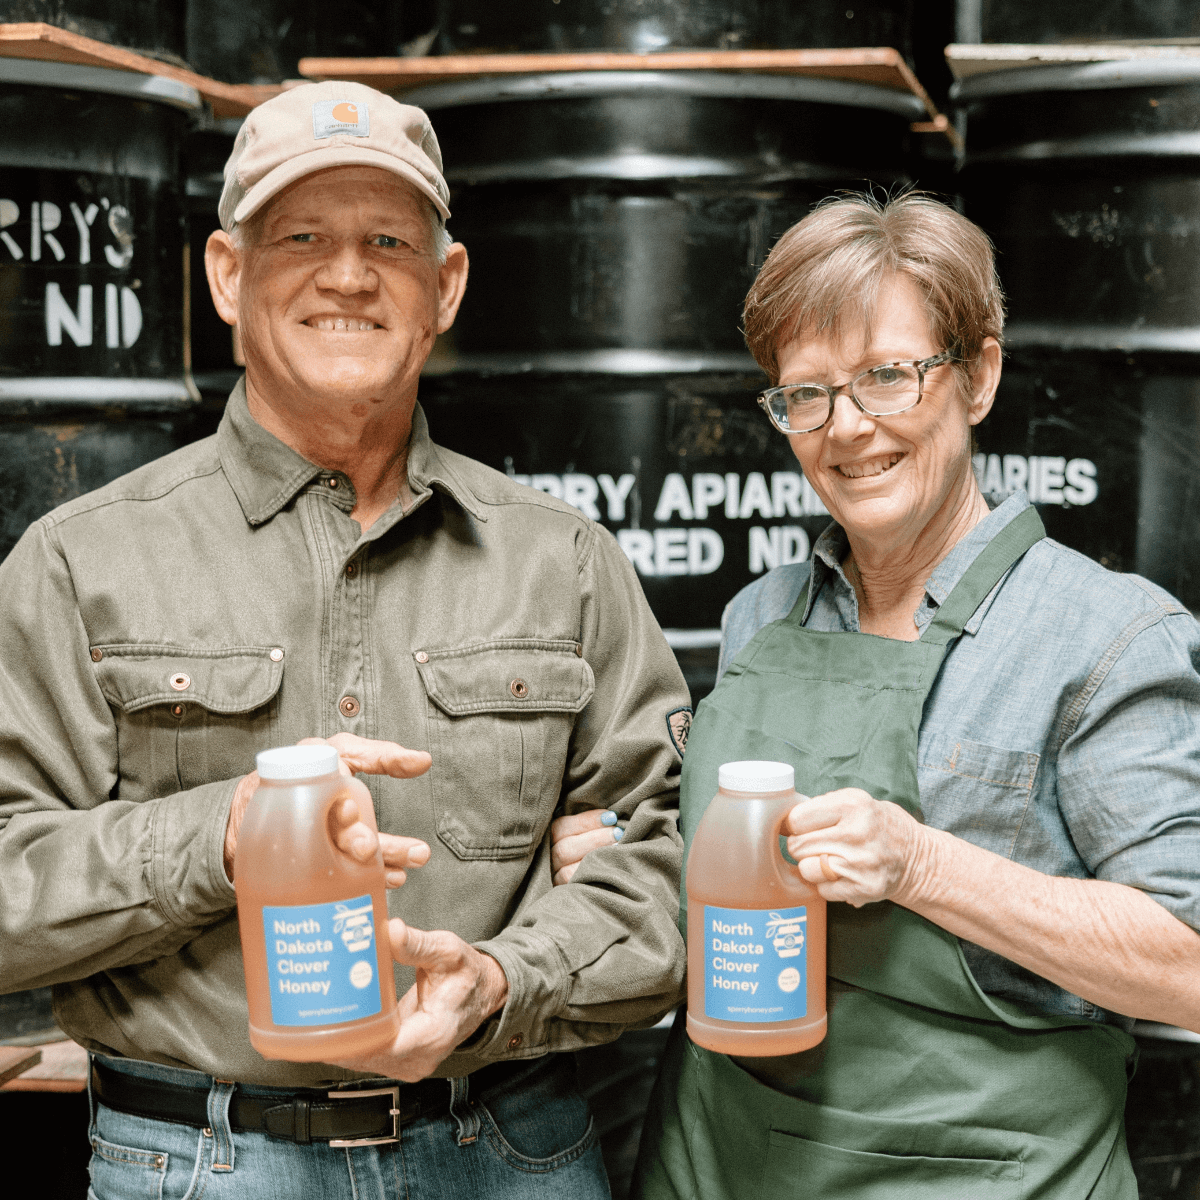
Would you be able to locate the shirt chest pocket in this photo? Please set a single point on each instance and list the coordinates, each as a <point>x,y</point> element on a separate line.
<point>185,716</point>
<point>977,792</point>
<point>500,720</point>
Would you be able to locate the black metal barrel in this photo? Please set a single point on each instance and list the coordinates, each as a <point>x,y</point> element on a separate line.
<point>1088,180</point>
<point>261,41</point>
<point>153,27</point>
<point>1075,20</point>
<point>645,26</point>
<point>615,222</point>
<point>93,340</point>
<point>214,366</point>
<point>1162,1114</point>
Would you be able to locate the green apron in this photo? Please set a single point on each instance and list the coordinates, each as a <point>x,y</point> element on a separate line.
<point>924,1087</point>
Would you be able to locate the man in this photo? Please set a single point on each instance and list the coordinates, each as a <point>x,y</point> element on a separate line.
<point>320,569</point>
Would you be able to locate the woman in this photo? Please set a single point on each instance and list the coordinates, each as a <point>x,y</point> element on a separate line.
<point>1001,742</point>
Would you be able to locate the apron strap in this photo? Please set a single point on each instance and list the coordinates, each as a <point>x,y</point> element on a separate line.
<point>796,616</point>
<point>981,576</point>
<point>993,562</point>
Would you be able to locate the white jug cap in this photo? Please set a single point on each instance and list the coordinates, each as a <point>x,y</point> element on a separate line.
<point>297,762</point>
<point>755,775</point>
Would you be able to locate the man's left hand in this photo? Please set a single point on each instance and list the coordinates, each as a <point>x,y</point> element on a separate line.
<point>457,989</point>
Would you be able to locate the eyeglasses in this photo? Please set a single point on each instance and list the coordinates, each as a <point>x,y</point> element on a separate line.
<point>882,391</point>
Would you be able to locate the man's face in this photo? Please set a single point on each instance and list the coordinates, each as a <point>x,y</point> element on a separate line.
<point>339,294</point>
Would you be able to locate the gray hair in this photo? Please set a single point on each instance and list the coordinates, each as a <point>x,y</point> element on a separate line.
<point>244,235</point>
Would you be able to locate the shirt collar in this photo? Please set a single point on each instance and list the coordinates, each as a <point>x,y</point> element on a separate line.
<point>266,474</point>
<point>831,548</point>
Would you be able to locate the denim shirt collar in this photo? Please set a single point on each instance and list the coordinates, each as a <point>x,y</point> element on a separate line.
<point>832,547</point>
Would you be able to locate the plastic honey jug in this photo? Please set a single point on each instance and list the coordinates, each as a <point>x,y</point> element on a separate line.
<point>756,930</point>
<point>313,922</point>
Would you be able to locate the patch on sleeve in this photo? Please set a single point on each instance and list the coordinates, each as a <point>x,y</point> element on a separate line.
<point>679,724</point>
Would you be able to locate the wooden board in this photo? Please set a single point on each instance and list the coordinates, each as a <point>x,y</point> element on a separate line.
<point>59,1067</point>
<point>15,1059</point>
<point>36,40</point>
<point>968,60</point>
<point>880,65</point>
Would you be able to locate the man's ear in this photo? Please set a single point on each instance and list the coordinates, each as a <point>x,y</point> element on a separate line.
<point>223,266</point>
<point>452,282</point>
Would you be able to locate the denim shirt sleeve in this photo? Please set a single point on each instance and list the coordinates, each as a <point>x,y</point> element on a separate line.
<point>1129,765</point>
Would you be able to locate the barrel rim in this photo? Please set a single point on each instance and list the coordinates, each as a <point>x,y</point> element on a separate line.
<point>1110,75</point>
<point>610,361</point>
<point>720,85</point>
<point>77,77</point>
<point>90,391</point>
<point>640,168</point>
<point>1127,339</point>
<point>1166,1033</point>
<point>1170,143</point>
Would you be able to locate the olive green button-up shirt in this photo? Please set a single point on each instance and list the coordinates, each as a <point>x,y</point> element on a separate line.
<point>157,633</point>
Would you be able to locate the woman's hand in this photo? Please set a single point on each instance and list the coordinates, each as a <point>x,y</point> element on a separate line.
<point>853,847</point>
<point>573,838</point>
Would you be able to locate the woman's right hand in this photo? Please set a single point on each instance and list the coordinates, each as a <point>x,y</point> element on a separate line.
<point>573,838</point>
<point>854,848</point>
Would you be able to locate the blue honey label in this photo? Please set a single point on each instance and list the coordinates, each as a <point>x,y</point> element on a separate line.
<point>755,964</point>
<point>321,962</point>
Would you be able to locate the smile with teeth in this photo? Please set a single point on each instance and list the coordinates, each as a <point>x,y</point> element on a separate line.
<point>869,466</point>
<point>340,324</point>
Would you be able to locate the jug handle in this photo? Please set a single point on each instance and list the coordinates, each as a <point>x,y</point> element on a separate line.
<point>787,873</point>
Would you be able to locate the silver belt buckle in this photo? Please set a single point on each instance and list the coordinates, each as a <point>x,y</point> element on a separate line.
<point>394,1111</point>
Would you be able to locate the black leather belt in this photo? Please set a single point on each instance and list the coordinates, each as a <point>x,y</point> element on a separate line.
<point>347,1116</point>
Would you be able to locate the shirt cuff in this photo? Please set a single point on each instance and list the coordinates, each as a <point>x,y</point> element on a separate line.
<point>539,983</point>
<point>188,857</point>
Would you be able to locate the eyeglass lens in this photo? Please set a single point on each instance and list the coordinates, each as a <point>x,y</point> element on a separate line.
<point>881,390</point>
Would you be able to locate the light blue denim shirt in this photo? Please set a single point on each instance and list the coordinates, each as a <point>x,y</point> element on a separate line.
<point>1063,730</point>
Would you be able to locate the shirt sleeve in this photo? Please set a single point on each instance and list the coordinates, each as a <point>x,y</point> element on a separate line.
<point>88,881</point>
<point>1129,771</point>
<point>590,958</point>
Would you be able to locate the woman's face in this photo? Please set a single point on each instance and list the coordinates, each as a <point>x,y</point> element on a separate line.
<point>885,478</point>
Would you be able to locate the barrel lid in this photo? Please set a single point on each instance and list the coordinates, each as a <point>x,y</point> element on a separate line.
<point>1078,77</point>
<point>756,775</point>
<point>168,394</point>
<point>30,72</point>
<point>1166,1033</point>
<point>297,762</point>
<point>568,85</point>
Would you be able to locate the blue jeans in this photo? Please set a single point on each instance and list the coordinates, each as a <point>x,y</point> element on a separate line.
<point>531,1137</point>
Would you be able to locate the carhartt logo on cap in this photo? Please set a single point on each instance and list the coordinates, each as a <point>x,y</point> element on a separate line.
<point>340,116</point>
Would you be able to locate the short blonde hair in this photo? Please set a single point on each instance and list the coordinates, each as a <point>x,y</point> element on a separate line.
<point>827,269</point>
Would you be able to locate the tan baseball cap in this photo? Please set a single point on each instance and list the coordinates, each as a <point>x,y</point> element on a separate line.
<point>320,125</point>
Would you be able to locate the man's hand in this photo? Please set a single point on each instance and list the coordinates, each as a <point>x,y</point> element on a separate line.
<point>353,835</point>
<point>853,847</point>
<point>573,838</point>
<point>457,989</point>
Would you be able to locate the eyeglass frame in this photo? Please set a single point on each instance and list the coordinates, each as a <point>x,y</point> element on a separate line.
<point>923,365</point>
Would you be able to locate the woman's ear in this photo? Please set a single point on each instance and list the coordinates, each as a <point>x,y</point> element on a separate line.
<point>984,381</point>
